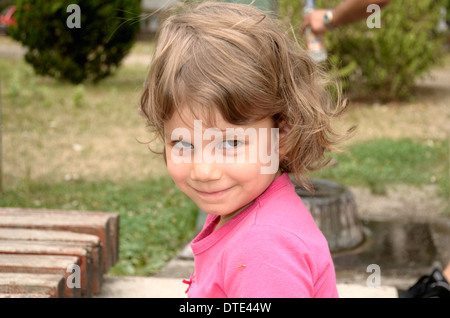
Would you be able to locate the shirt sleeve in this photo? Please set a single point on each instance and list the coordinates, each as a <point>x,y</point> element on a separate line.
<point>269,263</point>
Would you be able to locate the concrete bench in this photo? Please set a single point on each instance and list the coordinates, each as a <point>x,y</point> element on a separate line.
<point>90,243</point>
<point>56,248</point>
<point>101,224</point>
<point>26,285</point>
<point>43,242</point>
<point>41,264</point>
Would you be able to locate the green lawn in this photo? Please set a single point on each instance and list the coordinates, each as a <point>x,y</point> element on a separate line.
<point>380,163</point>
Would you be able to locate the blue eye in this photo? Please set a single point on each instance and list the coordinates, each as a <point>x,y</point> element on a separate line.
<point>231,144</point>
<point>183,145</point>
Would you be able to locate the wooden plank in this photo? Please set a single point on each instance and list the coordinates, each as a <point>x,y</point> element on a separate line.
<point>41,264</point>
<point>13,285</point>
<point>24,296</point>
<point>56,248</point>
<point>102,224</point>
<point>105,225</point>
<point>90,242</point>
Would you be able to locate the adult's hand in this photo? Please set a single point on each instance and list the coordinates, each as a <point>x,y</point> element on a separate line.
<point>314,21</point>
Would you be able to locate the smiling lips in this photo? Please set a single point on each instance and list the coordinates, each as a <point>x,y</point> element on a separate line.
<point>212,193</point>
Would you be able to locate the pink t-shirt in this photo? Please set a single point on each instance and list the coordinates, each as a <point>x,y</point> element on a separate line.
<point>271,249</point>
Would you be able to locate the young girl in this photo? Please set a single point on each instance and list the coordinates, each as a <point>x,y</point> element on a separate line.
<point>227,83</point>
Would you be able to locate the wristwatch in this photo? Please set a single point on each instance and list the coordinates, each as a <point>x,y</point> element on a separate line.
<point>328,19</point>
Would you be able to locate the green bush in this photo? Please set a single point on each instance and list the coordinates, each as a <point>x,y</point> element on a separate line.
<point>106,33</point>
<point>380,62</point>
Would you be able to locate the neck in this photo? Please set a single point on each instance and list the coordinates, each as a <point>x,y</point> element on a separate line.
<point>227,217</point>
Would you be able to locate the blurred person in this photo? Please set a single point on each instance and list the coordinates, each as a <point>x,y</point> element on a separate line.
<point>349,11</point>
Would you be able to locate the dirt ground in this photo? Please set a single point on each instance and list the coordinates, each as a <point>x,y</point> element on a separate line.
<point>400,202</point>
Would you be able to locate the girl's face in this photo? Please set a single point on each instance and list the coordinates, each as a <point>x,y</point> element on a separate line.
<point>223,168</point>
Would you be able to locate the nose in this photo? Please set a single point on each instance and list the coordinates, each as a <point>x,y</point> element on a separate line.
<point>205,172</point>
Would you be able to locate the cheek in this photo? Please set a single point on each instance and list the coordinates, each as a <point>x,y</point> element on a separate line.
<point>246,174</point>
<point>178,172</point>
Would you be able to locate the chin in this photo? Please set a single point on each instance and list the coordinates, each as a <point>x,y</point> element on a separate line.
<point>213,211</point>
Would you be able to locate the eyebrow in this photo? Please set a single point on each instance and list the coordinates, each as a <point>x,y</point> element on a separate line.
<point>168,135</point>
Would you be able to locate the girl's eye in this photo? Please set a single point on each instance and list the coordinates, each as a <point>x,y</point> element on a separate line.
<point>183,145</point>
<point>231,144</point>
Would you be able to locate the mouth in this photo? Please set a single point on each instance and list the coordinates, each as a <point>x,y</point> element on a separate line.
<point>212,194</point>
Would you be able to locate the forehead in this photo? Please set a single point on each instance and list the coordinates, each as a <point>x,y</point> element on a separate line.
<point>185,118</point>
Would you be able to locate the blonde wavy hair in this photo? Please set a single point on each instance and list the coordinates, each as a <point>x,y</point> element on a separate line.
<point>236,60</point>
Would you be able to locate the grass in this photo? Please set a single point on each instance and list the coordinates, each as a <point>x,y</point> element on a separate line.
<point>378,163</point>
<point>77,147</point>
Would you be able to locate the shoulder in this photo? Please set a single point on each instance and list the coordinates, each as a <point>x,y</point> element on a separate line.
<point>268,261</point>
<point>283,231</point>
<point>271,240</point>
<point>284,213</point>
